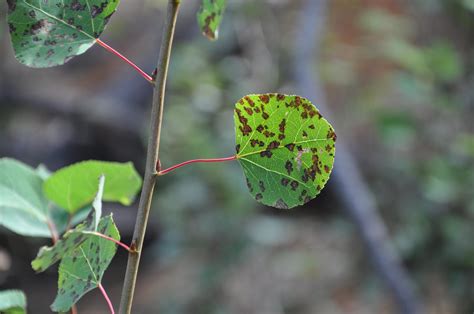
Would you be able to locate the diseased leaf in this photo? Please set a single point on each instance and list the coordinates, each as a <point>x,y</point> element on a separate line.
<point>75,186</point>
<point>47,256</point>
<point>72,239</point>
<point>12,302</point>
<point>81,270</point>
<point>23,208</point>
<point>50,33</point>
<point>286,148</point>
<point>210,16</point>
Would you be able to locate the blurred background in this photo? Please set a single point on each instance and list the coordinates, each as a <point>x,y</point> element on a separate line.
<point>392,233</point>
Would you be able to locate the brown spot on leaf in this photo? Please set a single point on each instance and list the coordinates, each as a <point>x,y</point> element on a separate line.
<point>248,110</point>
<point>294,185</point>
<point>259,196</point>
<point>261,185</point>
<point>273,145</point>
<point>285,181</point>
<point>291,147</point>
<point>289,167</point>
<point>266,153</point>
<point>331,135</point>
<point>250,101</point>
<point>265,98</point>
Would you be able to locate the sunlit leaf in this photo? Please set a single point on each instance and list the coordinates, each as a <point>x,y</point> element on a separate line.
<point>12,302</point>
<point>75,186</point>
<point>47,33</point>
<point>210,16</point>
<point>286,148</point>
<point>81,270</point>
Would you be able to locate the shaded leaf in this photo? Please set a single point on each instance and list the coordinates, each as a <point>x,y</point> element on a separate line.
<point>286,148</point>
<point>49,33</point>
<point>210,16</point>
<point>23,208</point>
<point>75,186</point>
<point>81,270</point>
<point>12,302</point>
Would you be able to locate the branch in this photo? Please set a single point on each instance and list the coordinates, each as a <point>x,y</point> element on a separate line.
<point>347,179</point>
<point>151,160</point>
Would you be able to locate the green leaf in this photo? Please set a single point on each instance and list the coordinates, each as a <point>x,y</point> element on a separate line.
<point>12,302</point>
<point>286,148</point>
<point>50,33</point>
<point>23,208</point>
<point>81,270</point>
<point>210,16</point>
<point>48,256</point>
<point>75,186</point>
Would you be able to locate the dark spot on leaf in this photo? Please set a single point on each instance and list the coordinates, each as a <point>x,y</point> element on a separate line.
<point>285,181</point>
<point>289,167</point>
<point>265,98</point>
<point>259,196</point>
<point>261,185</point>
<point>266,153</point>
<point>291,147</point>
<point>294,185</point>
<point>273,145</point>
<point>250,101</point>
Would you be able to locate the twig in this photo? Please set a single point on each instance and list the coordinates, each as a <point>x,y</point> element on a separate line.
<point>152,158</point>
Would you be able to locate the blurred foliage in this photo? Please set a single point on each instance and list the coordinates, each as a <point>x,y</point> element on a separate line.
<point>420,106</point>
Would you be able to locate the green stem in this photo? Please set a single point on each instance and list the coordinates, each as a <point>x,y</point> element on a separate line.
<point>151,160</point>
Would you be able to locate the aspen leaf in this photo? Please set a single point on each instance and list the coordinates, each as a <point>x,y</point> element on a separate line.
<point>50,33</point>
<point>285,147</point>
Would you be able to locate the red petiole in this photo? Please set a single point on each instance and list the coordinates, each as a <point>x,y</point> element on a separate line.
<point>106,297</point>
<point>163,172</point>
<point>123,58</point>
<point>110,239</point>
